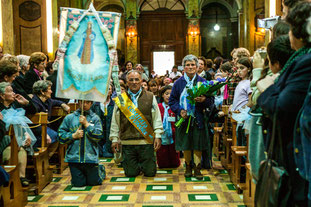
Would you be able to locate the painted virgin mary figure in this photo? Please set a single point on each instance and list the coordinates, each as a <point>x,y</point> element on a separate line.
<point>86,52</point>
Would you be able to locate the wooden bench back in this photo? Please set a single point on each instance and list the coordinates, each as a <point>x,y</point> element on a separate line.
<point>14,147</point>
<point>41,119</point>
<point>234,126</point>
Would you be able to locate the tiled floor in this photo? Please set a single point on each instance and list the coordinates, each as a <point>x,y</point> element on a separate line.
<point>168,188</point>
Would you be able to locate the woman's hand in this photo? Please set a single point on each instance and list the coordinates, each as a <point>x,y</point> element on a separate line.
<point>258,62</point>
<point>48,139</point>
<point>66,108</point>
<point>183,114</point>
<point>21,100</point>
<point>200,99</point>
<point>220,114</point>
<point>27,140</point>
<point>1,116</point>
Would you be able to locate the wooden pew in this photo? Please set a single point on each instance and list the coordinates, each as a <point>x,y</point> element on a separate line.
<point>217,145</point>
<point>13,194</point>
<point>249,192</point>
<point>237,153</point>
<point>40,165</point>
<point>227,140</point>
<point>62,148</point>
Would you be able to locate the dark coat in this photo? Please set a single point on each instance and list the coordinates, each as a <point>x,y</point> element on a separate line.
<point>53,79</point>
<point>47,106</point>
<point>18,86</point>
<point>30,78</point>
<point>29,108</point>
<point>286,97</point>
<point>178,88</point>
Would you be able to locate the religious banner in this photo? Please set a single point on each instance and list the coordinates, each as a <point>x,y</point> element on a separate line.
<point>86,56</point>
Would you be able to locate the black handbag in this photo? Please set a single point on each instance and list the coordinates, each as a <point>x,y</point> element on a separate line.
<point>273,187</point>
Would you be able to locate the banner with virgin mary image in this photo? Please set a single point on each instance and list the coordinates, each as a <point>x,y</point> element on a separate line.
<point>86,53</point>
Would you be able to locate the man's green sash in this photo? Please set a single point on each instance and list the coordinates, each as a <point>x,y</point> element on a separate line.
<point>136,118</point>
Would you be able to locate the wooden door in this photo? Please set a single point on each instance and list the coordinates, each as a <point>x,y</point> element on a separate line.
<point>30,26</point>
<point>165,31</point>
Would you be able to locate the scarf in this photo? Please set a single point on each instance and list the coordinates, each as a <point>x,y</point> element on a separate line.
<point>167,136</point>
<point>183,101</point>
<point>134,96</point>
<point>17,118</point>
<point>302,51</point>
<point>38,73</point>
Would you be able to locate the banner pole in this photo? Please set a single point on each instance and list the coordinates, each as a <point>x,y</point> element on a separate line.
<point>82,110</point>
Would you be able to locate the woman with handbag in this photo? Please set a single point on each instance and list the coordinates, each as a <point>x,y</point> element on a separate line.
<point>286,97</point>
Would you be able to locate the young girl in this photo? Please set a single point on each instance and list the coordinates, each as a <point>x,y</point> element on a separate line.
<point>241,97</point>
<point>153,87</point>
<point>243,89</point>
<point>167,157</point>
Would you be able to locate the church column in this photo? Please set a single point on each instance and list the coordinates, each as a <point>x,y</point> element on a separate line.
<point>7,41</point>
<point>193,42</point>
<point>249,25</point>
<point>241,28</point>
<point>131,53</point>
<point>194,37</point>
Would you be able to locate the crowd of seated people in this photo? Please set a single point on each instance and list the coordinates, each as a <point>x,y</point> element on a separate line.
<point>258,90</point>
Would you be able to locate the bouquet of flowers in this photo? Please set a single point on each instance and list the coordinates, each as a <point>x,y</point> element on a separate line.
<point>207,88</point>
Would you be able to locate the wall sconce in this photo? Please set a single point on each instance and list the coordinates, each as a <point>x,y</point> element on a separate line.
<point>131,28</point>
<point>193,29</point>
<point>131,34</point>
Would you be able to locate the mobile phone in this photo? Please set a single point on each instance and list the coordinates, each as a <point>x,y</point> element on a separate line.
<point>263,52</point>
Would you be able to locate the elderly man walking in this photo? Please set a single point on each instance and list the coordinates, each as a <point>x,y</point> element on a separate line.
<point>136,122</point>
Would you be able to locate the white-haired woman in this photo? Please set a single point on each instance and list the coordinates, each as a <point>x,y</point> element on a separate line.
<point>197,138</point>
<point>42,100</point>
<point>10,104</point>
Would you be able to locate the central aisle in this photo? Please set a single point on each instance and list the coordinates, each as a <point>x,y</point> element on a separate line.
<point>168,188</point>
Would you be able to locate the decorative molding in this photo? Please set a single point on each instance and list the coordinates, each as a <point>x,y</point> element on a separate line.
<point>31,40</point>
<point>234,19</point>
<point>222,2</point>
<point>29,11</point>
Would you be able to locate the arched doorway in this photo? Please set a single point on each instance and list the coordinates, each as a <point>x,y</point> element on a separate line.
<point>226,38</point>
<point>161,28</point>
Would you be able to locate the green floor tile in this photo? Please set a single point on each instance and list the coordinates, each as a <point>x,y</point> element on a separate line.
<point>202,197</point>
<point>158,206</point>
<point>230,187</point>
<point>63,206</point>
<point>159,188</point>
<point>34,198</point>
<point>84,188</point>
<point>56,179</point>
<point>193,179</point>
<point>105,160</point>
<point>164,171</point>
<point>122,179</point>
<point>223,171</point>
<point>114,197</point>
<point>242,206</point>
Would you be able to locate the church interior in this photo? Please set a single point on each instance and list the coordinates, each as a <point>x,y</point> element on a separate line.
<point>157,34</point>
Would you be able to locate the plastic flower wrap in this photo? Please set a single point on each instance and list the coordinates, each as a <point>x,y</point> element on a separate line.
<point>207,89</point>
